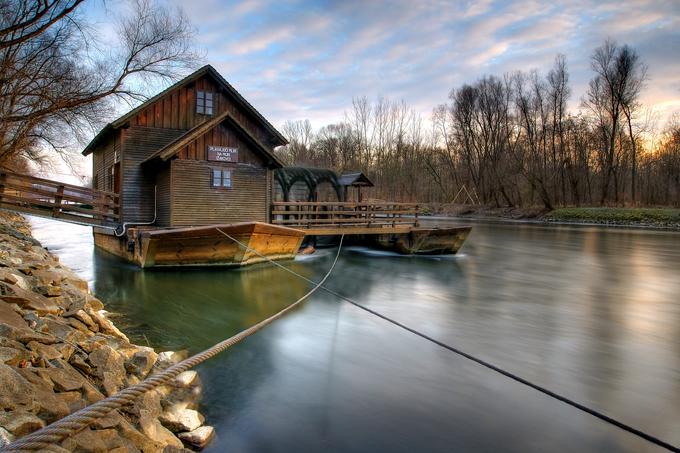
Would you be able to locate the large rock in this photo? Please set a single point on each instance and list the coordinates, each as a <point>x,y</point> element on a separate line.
<point>10,317</point>
<point>63,331</point>
<point>109,368</point>
<point>86,441</point>
<point>44,403</point>
<point>168,358</point>
<point>139,440</point>
<point>152,428</point>
<point>141,362</point>
<point>86,319</point>
<point>177,419</point>
<point>44,351</point>
<point>15,279</point>
<point>149,403</point>
<point>186,379</point>
<point>105,325</point>
<point>64,380</point>
<point>20,423</point>
<point>199,437</point>
<point>6,437</point>
<point>27,299</point>
<point>13,356</point>
<point>14,389</point>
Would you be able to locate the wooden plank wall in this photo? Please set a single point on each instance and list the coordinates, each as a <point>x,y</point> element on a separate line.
<point>177,110</point>
<point>195,202</point>
<point>137,189</point>
<point>164,187</point>
<point>102,159</point>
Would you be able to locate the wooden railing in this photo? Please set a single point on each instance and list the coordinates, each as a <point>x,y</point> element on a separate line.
<point>344,215</point>
<point>46,198</point>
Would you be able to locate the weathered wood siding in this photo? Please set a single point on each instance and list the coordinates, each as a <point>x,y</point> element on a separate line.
<point>177,109</point>
<point>103,159</point>
<point>195,202</point>
<point>137,187</point>
<point>164,188</point>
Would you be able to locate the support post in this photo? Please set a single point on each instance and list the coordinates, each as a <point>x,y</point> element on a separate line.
<point>58,197</point>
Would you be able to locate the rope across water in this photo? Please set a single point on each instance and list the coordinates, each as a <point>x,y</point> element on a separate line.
<point>71,424</point>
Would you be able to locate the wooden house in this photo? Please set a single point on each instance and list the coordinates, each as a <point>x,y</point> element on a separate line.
<point>195,154</point>
<point>188,178</point>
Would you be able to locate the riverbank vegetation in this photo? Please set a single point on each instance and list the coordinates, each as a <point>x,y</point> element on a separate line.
<point>510,141</point>
<point>637,216</point>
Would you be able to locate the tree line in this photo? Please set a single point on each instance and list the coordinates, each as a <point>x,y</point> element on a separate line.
<point>510,140</point>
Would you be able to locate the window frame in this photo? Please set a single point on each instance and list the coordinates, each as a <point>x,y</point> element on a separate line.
<point>205,102</point>
<point>222,176</point>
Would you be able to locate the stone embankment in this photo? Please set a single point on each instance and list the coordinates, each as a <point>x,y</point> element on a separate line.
<point>60,353</point>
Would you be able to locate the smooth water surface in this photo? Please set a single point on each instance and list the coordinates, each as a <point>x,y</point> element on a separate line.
<point>590,313</point>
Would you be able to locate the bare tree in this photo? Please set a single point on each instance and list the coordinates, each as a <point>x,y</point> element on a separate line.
<point>300,136</point>
<point>558,82</point>
<point>632,74</point>
<point>56,87</point>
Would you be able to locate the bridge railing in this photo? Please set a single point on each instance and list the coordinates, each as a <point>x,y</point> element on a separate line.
<point>47,198</point>
<point>325,214</point>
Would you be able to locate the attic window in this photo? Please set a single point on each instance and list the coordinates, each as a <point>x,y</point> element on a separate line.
<point>204,102</point>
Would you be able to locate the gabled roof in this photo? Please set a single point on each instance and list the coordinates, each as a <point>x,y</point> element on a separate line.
<point>207,69</point>
<point>172,148</point>
<point>354,179</point>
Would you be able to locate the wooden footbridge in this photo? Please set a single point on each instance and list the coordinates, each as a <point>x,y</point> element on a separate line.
<point>335,218</point>
<point>66,202</point>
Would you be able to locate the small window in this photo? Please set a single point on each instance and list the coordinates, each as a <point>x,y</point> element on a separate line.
<point>221,178</point>
<point>204,102</point>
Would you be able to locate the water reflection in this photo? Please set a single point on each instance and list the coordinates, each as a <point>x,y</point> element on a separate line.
<point>591,313</point>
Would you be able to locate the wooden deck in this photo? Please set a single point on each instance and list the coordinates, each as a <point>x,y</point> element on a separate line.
<point>67,202</point>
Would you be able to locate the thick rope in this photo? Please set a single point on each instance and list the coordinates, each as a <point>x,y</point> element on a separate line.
<point>594,412</point>
<point>71,424</point>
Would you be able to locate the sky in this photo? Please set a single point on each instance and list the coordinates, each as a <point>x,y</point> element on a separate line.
<point>308,59</point>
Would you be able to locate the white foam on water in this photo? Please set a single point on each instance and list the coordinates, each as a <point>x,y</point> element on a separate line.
<point>366,251</point>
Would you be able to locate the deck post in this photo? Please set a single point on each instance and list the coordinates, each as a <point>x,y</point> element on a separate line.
<point>58,197</point>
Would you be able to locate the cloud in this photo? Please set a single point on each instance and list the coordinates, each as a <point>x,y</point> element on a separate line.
<point>307,59</point>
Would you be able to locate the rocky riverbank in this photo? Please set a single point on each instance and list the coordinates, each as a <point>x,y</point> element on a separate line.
<point>60,353</point>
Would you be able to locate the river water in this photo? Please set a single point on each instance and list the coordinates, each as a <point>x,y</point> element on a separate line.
<point>588,312</point>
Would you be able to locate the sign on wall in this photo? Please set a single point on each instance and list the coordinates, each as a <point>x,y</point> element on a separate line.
<point>222,153</point>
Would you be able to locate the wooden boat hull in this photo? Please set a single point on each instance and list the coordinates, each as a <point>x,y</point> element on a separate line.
<point>404,240</point>
<point>203,246</point>
<point>426,241</point>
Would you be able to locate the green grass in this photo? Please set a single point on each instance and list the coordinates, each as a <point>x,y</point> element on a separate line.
<point>617,215</point>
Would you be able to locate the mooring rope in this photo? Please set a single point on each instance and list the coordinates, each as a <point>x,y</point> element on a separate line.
<point>73,423</point>
<point>594,412</point>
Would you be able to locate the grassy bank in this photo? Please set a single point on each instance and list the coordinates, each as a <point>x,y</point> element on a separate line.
<point>618,216</point>
<point>640,217</point>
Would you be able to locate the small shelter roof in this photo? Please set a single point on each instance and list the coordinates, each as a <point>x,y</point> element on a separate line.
<point>354,179</point>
